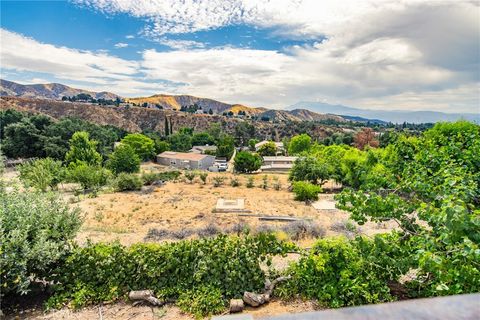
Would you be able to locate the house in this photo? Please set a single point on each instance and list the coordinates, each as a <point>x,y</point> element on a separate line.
<point>279,145</point>
<point>279,163</point>
<point>182,160</point>
<point>204,149</point>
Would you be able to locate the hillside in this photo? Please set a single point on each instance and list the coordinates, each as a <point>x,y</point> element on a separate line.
<point>175,102</point>
<point>395,116</point>
<point>47,91</point>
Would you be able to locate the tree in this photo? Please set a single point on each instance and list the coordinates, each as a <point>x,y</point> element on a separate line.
<point>180,142</point>
<point>22,140</point>
<point>82,149</point>
<point>365,137</point>
<point>202,139</point>
<point>225,147</point>
<point>42,174</point>
<point>310,169</point>
<point>35,231</point>
<point>299,144</point>
<point>247,162</point>
<point>252,143</point>
<point>123,159</point>
<point>143,146</point>
<point>90,177</point>
<point>268,149</point>
<point>244,131</point>
<point>215,130</point>
<point>305,191</point>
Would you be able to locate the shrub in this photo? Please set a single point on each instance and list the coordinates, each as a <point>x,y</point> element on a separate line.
<point>128,182</point>
<point>35,229</point>
<point>276,183</point>
<point>250,183</point>
<point>268,149</point>
<point>218,181</point>
<point>335,273</point>
<point>265,182</point>
<point>208,231</point>
<point>202,301</point>
<point>203,176</point>
<point>89,177</point>
<point>150,178</point>
<point>42,174</point>
<point>304,229</point>
<point>247,162</point>
<point>123,159</point>
<point>83,149</point>
<point>234,182</point>
<point>190,175</point>
<point>181,234</point>
<point>305,191</point>
<point>157,234</point>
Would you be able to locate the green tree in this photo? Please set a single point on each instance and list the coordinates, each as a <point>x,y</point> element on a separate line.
<point>309,169</point>
<point>247,162</point>
<point>22,140</point>
<point>143,146</point>
<point>299,144</point>
<point>181,142</point>
<point>82,149</point>
<point>123,159</point>
<point>90,177</point>
<point>42,174</point>
<point>225,147</point>
<point>252,143</point>
<point>202,139</point>
<point>268,149</point>
<point>306,191</point>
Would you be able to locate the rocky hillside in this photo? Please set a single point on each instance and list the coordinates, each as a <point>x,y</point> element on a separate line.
<point>136,119</point>
<point>47,91</point>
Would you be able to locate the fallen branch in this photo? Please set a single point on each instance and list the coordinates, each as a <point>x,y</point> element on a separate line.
<point>145,296</point>
<point>257,299</point>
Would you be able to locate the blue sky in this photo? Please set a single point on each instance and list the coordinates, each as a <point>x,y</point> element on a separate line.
<point>414,55</point>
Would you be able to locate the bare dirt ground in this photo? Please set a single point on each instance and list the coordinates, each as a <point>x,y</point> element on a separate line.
<point>182,205</point>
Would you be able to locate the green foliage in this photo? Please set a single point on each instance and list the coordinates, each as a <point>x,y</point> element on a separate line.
<point>202,139</point>
<point>265,182</point>
<point>149,178</point>
<point>247,162</point>
<point>190,175</point>
<point>218,181</point>
<point>310,169</point>
<point>277,185</point>
<point>181,142</point>
<point>252,143</point>
<point>202,301</point>
<point>234,182</point>
<point>22,140</point>
<point>128,182</point>
<point>89,177</point>
<point>250,182</point>
<point>203,176</point>
<point>123,159</point>
<point>225,147</point>
<point>82,149</point>
<point>143,146</point>
<point>299,144</point>
<point>35,229</point>
<point>305,191</point>
<point>244,132</point>
<point>42,174</point>
<point>227,265</point>
<point>268,149</point>
<point>336,273</point>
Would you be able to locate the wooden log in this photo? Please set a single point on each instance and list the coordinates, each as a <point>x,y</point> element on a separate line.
<point>145,296</point>
<point>257,299</point>
<point>236,305</point>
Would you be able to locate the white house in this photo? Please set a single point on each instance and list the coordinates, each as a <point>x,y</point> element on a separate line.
<point>279,163</point>
<point>184,160</point>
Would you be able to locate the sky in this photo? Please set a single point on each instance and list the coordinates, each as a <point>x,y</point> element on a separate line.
<point>404,54</point>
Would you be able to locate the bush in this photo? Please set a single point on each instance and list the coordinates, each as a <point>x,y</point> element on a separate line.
<point>190,175</point>
<point>304,229</point>
<point>123,159</point>
<point>203,176</point>
<point>305,191</point>
<point>277,185</point>
<point>82,149</point>
<point>268,149</point>
<point>336,274</point>
<point>35,230</point>
<point>250,183</point>
<point>265,182</point>
<point>202,301</point>
<point>234,182</point>
<point>208,231</point>
<point>42,174</point>
<point>247,162</point>
<point>218,181</point>
<point>150,178</point>
<point>89,177</point>
<point>105,272</point>
<point>128,182</point>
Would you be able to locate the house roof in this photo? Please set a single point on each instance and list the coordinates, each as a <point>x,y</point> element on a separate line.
<point>183,156</point>
<point>279,158</point>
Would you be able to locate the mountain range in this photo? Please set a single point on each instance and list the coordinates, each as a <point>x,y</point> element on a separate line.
<point>301,111</point>
<point>395,116</point>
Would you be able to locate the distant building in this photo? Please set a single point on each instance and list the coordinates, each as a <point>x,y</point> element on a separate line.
<point>182,160</point>
<point>204,149</point>
<point>280,163</point>
<point>279,145</point>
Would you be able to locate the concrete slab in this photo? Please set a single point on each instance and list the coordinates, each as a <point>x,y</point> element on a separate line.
<point>230,204</point>
<point>324,204</point>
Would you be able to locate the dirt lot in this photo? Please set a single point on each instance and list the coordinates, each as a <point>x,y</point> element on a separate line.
<point>181,205</point>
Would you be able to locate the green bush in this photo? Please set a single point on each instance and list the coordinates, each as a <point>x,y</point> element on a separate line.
<point>336,274</point>
<point>42,174</point>
<point>35,229</point>
<point>202,301</point>
<point>89,177</point>
<point>218,181</point>
<point>305,191</point>
<point>128,182</point>
<point>234,182</point>
<point>203,176</point>
<point>123,159</point>
<point>82,149</point>
<point>143,146</point>
<point>190,175</point>
<point>250,182</point>
<point>105,272</point>
<point>247,162</point>
<point>149,178</point>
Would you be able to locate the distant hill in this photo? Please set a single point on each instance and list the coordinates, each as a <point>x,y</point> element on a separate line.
<point>47,91</point>
<point>395,116</point>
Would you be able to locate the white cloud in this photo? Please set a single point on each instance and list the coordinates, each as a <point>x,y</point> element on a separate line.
<point>121,45</point>
<point>180,44</point>
<point>129,36</point>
